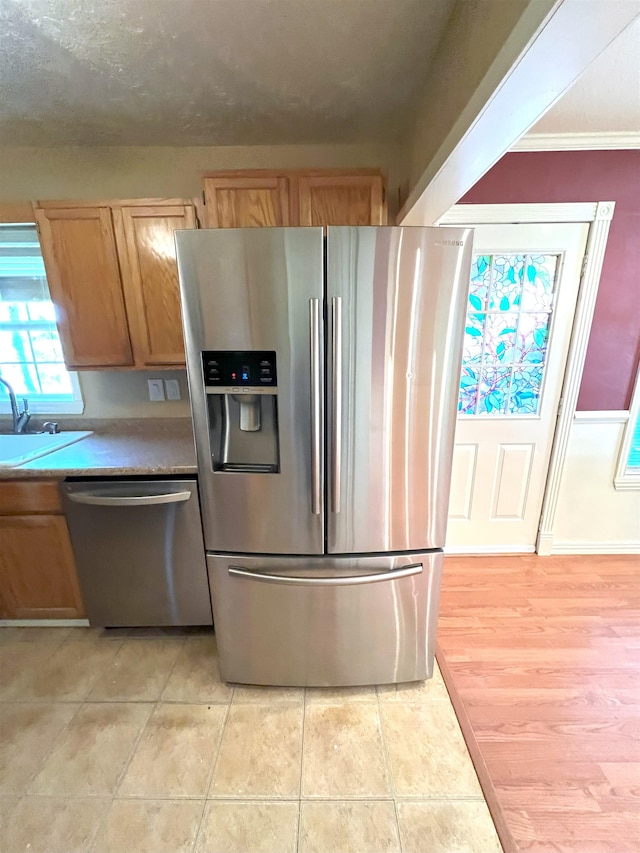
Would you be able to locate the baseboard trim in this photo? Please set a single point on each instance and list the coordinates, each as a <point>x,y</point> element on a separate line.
<point>482,771</point>
<point>487,550</point>
<point>44,623</point>
<point>618,547</point>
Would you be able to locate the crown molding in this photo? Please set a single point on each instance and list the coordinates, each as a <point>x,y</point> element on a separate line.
<point>577,141</point>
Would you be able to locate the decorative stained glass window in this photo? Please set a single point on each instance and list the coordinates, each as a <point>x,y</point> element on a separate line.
<point>509,312</point>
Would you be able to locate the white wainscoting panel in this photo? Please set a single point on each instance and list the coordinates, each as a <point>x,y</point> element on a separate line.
<point>591,516</point>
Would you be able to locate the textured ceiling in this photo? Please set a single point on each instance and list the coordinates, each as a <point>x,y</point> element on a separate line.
<point>606,97</point>
<point>212,72</point>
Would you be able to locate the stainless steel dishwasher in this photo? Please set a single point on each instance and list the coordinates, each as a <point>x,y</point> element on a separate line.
<point>139,551</point>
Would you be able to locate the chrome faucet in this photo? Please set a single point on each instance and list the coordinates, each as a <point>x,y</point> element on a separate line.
<point>20,418</point>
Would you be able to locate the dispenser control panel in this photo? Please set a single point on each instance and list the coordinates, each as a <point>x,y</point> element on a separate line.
<point>235,370</point>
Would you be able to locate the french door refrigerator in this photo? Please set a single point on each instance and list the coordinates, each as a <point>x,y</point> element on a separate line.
<point>323,374</point>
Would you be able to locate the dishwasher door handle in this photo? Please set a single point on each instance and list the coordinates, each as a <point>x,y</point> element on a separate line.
<point>127,500</point>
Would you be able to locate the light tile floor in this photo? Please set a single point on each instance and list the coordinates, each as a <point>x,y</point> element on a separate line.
<point>128,742</point>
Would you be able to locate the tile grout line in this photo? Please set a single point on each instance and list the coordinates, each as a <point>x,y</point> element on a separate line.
<point>214,764</point>
<point>385,749</point>
<point>52,748</point>
<point>143,729</point>
<point>103,819</point>
<point>304,719</point>
<point>395,811</point>
<point>197,832</point>
<point>171,669</point>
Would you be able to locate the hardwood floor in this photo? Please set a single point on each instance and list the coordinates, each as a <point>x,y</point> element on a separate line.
<point>544,654</point>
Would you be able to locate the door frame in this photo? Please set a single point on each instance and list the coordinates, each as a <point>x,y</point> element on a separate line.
<point>598,215</point>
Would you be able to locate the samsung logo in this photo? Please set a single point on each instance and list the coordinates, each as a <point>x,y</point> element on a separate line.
<point>449,242</point>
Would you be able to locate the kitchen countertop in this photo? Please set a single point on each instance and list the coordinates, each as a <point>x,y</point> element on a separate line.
<point>117,447</point>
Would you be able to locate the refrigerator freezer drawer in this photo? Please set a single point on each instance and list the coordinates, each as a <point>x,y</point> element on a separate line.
<point>325,621</point>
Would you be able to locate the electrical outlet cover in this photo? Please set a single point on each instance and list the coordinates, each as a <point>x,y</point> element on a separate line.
<point>172,387</point>
<point>156,390</point>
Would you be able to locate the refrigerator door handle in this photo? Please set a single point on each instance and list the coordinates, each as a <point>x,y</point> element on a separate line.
<point>345,580</point>
<point>316,407</point>
<point>336,400</point>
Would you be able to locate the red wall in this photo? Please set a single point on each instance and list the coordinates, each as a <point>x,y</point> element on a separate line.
<point>568,176</point>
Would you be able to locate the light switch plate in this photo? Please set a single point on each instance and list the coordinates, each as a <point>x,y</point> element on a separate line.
<point>172,387</point>
<point>156,390</point>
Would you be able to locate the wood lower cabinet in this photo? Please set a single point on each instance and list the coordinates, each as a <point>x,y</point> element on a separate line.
<point>113,277</point>
<point>313,197</point>
<point>37,569</point>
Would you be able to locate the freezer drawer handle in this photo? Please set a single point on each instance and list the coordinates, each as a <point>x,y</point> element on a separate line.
<point>128,500</point>
<point>336,402</point>
<point>349,580</point>
<point>316,407</point>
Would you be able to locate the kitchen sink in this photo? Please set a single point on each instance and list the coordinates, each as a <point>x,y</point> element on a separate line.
<point>18,449</point>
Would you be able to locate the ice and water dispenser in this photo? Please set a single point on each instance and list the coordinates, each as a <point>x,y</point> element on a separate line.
<point>242,409</point>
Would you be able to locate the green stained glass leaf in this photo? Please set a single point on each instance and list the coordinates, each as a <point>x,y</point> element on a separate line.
<point>476,333</point>
<point>475,301</point>
<point>505,304</point>
<point>483,262</point>
<point>500,349</point>
<point>511,275</point>
<point>531,272</point>
<point>508,330</point>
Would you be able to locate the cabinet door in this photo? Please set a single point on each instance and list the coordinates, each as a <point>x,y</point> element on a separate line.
<point>246,201</point>
<point>146,246</point>
<point>79,250</point>
<point>341,200</point>
<point>37,569</point>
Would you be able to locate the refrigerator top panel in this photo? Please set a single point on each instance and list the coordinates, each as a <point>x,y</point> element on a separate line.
<point>252,313</point>
<point>396,302</point>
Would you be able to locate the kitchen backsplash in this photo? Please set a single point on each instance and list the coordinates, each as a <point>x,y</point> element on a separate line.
<point>125,394</point>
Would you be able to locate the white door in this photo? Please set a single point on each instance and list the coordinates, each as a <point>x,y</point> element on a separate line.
<point>522,299</point>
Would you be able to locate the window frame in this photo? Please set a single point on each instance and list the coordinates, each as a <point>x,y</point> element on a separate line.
<point>21,213</point>
<point>623,480</point>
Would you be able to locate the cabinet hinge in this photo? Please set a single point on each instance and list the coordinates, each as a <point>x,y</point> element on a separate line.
<point>38,227</point>
<point>203,199</point>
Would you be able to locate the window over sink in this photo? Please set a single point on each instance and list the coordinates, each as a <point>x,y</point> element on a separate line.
<point>31,359</point>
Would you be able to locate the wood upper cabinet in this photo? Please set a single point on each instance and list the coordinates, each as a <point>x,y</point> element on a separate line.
<point>312,197</point>
<point>146,247</point>
<point>113,277</point>
<point>341,200</point>
<point>246,200</point>
<point>80,257</point>
<point>37,569</point>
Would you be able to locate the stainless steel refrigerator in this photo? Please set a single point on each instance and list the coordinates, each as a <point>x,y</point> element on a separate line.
<point>323,374</point>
